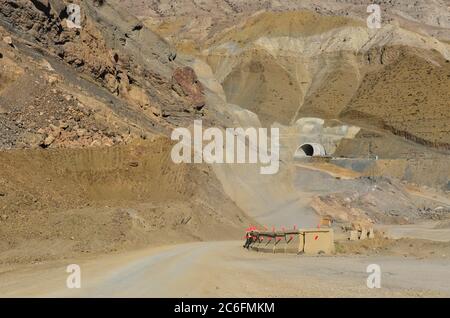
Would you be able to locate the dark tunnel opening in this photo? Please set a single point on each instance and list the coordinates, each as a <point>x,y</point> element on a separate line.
<point>308,149</point>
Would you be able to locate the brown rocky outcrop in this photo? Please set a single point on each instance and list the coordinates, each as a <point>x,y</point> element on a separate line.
<point>186,83</point>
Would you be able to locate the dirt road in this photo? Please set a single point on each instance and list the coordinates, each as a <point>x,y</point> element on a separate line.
<point>225,269</point>
<point>424,231</point>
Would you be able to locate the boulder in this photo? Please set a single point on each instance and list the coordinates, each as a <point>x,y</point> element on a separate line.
<point>49,140</point>
<point>185,82</point>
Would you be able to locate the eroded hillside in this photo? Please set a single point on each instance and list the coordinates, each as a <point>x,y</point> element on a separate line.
<point>85,116</point>
<point>322,61</point>
<point>112,50</point>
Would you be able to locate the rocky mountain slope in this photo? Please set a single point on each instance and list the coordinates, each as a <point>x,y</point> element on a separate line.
<point>287,61</point>
<point>112,50</point>
<point>200,19</point>
<point>322,61</point>
<point>85,116</point>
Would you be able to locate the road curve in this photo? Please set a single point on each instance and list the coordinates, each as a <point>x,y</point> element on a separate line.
<point>225,269</point>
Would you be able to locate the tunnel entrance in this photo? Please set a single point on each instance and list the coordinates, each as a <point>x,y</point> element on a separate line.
<point>307,149</point>
<point>310,150</point>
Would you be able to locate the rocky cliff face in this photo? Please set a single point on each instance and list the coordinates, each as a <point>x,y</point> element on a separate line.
<point>112,50</point>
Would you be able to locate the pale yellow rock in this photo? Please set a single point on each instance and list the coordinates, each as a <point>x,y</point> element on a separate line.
<point>353,236</point>
<point>363,234</point>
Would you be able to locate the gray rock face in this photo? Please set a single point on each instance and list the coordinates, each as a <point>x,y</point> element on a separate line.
<point>431,13</point>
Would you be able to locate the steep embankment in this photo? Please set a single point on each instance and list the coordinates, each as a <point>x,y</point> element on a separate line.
<point>71,202</point>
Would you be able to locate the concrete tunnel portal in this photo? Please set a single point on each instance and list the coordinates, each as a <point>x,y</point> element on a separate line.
<point>310,150</point>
